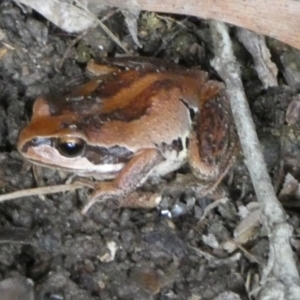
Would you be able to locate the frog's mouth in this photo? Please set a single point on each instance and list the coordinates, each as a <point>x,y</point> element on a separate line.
<point>103,168</point>
<point>51,166</point>
<point>101,173</point>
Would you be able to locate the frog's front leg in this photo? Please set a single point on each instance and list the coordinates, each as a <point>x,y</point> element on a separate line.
<point>213,142</point>
<point>134,173</point>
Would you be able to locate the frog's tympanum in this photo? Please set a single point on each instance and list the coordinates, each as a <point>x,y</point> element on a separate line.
<point>133,120</point>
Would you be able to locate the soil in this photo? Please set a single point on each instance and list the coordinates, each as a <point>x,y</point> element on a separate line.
<point>164,253</point>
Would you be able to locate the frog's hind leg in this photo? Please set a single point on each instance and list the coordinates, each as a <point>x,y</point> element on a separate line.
<point>213,143</point>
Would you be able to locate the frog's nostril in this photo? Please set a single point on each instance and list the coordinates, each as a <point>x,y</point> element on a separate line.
<point>38,141</point>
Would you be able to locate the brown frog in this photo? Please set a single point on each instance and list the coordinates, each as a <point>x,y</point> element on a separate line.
<point>136,118</point>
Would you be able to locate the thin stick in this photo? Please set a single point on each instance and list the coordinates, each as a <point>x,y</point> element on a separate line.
<point>41,191</point>
<point>113,37</point>
<point>212,206</point>
<point>280,275</point>
<point>107,31</point>
<point>73,43</point>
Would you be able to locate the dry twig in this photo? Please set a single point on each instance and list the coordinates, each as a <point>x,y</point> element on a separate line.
<point>281,273</point>
<point>42,191</point>
<point>256,44</point>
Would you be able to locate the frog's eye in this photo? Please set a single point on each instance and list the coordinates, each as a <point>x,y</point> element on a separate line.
<point>71,146</point>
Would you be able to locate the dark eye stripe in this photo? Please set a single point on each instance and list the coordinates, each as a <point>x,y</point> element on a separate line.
<point>35,143</point>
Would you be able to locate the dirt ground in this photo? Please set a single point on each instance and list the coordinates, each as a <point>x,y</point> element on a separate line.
<point>133,253</point>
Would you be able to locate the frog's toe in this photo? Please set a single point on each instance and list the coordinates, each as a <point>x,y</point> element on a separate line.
<point>141,200</point>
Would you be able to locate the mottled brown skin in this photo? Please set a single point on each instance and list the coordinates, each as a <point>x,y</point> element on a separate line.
<point>132,123</point>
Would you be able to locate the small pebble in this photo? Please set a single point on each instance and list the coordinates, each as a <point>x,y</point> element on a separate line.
<point>18,288</point>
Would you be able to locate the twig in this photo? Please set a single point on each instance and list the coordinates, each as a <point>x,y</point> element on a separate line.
<point>80,36</point>
<point>225,261</point>
<point>106,30</point>
<point>73,43</point>
<point>212,206</point>
<point>256,44</point>
<point>281,270</point>
<point>113,37</point>
<point>42,191</point>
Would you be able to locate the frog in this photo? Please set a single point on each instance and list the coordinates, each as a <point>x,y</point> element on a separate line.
<point>133,119</point>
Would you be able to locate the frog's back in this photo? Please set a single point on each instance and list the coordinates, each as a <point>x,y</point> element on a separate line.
<point>145,108</point>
